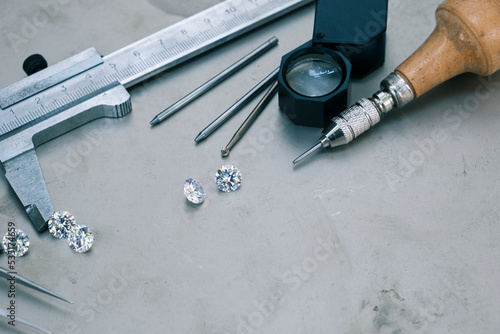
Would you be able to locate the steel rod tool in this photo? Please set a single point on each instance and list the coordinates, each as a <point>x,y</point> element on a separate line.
<point>87,86</point>
<point>237,106</point>
<point>214,81</point>
<point>466,39</point>
<point>259,108</point>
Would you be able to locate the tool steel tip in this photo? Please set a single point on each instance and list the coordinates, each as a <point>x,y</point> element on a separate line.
<point>224,152</point>
<point>307,153</point>
<point>199,137</point>
<point>273,40</point>
<point>154,121</point>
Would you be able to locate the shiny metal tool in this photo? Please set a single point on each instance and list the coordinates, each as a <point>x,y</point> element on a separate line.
<point>237,106</point>
<point>250,119</point>
<point>466,39</point>
<point>87,86</point>
<point>18,279</point>
<point>214,81</point>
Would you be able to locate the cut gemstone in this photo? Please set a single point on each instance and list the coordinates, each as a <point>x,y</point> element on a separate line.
<point>61,223</point>
<point>80,238</point>
<point>228,178</point>
<point>194,191</point>
<point>16,243</point>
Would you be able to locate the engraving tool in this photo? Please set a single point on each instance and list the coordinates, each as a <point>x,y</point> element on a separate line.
<point>466,39</point>
<point>214,81</point>
<point>251,117</point>
<point>237,106</point>
<point>87,86</point>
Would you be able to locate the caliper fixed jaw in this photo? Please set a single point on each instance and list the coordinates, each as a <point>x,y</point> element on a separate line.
<point>17,149</point>
<point>25,177</point>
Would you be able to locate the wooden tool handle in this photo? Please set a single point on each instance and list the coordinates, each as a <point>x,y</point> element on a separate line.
<point>466,39</point>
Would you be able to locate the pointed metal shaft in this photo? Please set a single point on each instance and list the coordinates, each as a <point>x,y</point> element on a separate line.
<point>30,284</point>
<point>214,81</point>
<point>308,153</point>
<point>250,119</point>
<point>237,106</point>
<point>4,314</point>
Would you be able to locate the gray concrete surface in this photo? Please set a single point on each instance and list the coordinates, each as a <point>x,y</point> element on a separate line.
<point>396,233</point>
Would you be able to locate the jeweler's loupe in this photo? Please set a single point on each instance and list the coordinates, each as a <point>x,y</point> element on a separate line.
<point>313,80</point>
<point>348,39</point>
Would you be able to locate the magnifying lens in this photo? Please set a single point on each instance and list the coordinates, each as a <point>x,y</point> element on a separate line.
<point>314,75</point>
<point>313,80</point>
<point>348,40</point>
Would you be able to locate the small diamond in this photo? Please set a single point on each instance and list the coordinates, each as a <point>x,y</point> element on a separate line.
<point>80,238</point>
<point>194,191</point>
<point>16,243</point>
<point>60,224</point>
<point>228,178</point>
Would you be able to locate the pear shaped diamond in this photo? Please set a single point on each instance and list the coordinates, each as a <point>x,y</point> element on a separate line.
<point>194,191</point>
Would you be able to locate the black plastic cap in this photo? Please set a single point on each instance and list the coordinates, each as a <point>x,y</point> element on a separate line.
<point>34,63</point>
<point>365,58</point>
<point>355,28</point>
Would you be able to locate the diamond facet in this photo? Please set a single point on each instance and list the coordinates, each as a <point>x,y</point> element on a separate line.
<point>80,238</point>
<point>61,223</point>
<point>228,178</point>
<point>194,191</point>
<point>16,243</point>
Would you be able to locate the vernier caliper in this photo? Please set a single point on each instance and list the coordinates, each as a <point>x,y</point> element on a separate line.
<point>87,86</point>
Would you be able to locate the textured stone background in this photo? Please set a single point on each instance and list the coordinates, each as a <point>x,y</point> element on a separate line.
<point>396,233</point>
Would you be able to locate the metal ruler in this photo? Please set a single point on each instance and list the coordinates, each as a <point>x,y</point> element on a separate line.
<point>88,86</point>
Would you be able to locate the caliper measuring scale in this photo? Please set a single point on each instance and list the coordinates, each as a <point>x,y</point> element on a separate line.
<point>466,39</point>
<point>88,86</point>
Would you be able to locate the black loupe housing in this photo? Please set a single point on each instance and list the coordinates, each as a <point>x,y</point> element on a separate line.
<point>313,81</point>
<point>348,40</point>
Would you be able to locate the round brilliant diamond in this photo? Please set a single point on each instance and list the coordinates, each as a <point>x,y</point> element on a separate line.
<point>80,238</point>
<point>60,224</point>
<point>16,243</point>
<point>228,178</point>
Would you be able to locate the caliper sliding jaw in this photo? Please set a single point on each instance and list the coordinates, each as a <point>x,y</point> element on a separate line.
<point>17,150</point>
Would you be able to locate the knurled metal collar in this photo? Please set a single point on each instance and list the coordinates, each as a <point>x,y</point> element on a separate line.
<point>361,116</point>
<point>398,88</point>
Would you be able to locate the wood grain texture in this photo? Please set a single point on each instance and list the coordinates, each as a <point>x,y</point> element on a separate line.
<point>466,39</point>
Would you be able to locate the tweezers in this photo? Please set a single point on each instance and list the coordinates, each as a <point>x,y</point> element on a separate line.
<point>4,273</point>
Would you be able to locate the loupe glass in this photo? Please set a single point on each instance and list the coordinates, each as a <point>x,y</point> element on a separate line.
<point>314,75</point>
